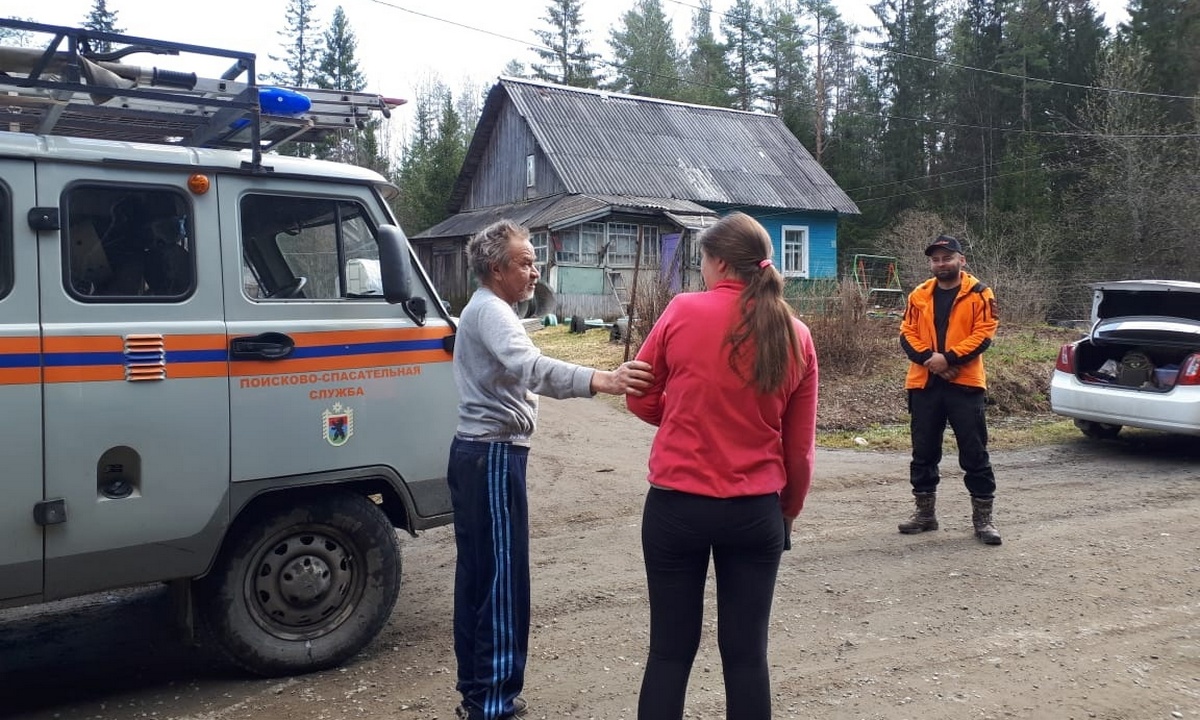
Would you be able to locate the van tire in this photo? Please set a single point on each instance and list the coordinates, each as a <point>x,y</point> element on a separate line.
<point>304,586</point>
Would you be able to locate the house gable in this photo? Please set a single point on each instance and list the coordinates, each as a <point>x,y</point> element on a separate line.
<point>502,175</point>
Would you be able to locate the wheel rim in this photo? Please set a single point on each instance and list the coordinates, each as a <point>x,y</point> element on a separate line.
<point>304,583</point>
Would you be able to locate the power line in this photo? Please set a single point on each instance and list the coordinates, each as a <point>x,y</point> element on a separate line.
<point>871,115</point>
<point>1060,167</point>
<point>948,63</point>
<point>985,166</point>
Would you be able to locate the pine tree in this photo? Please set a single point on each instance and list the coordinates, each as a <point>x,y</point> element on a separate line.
<point>301,45</point>
<point>643,46</point>
<point>784,85</point>
<point>1168,32</point>
<point>301,56</point>
<point>706,78</point>
<point>910,30</point>
<point>338,70</point>
<point>514,68</point>
<point>832,66</point>
<point>974,107</point>
<point>102,19</point>
<point>432,159</point>
<point>338,67</point>
<point>742,27</point>
<point>565,56</point>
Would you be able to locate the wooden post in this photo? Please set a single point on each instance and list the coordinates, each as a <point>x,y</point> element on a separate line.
<point>637,266</point>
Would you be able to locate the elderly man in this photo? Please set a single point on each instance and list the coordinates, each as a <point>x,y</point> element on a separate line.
<point>499,373</point>
<point>949,322</point>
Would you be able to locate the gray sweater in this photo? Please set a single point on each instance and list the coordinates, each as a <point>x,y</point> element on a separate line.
<point>498,369</point>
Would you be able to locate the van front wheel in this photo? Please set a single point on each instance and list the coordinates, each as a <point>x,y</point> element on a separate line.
<point>302,587</point>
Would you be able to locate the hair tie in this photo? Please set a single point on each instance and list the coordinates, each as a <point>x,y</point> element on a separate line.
<point>765,263</point>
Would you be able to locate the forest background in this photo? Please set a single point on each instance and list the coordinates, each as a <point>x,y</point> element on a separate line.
<point>1063,152</point>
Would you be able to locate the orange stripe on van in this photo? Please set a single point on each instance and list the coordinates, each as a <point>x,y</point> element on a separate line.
<point>242,368</point>
<point>20,344</point>
<point>20,376</point>
<point>350,337</point>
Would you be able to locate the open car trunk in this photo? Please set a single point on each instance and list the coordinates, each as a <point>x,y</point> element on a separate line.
<point>1143,330</point>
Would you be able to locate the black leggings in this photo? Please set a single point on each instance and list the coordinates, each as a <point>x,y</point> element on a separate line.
<point>745,538</point>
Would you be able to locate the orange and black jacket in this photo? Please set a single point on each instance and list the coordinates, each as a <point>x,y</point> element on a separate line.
<point>970,331</point>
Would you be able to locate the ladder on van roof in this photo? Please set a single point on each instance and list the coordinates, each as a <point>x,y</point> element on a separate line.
<point>69,88</point>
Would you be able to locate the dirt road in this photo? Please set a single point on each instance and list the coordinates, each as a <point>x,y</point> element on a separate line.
<point>1090,609</point>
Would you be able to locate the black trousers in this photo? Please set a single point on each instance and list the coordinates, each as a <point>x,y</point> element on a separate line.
<point>931,409</point>
<point>744,536</point>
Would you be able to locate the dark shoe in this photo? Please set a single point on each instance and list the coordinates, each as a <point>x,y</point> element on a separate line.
<point>520,707</point>
<point>981,518</point>
<point>924,517</point>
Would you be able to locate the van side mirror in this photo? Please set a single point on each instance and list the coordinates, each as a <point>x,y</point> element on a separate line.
<point>395,265</point>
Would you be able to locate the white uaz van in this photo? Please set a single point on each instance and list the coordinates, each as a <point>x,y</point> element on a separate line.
<point>222,368</point>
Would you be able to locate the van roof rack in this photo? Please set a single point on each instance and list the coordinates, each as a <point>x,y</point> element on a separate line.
<point>70,87</point>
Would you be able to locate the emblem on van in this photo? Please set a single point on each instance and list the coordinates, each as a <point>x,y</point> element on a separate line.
<point>337,424</point>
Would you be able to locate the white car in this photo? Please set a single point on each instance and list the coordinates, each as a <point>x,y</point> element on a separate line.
<point>1139,366</point>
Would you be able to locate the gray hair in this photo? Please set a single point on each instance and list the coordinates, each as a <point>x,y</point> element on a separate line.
<point>489,247</point>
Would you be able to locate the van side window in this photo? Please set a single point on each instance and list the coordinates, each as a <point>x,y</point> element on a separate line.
<point>310,248</point>
<point>6,230</point>
<point>128,244</point>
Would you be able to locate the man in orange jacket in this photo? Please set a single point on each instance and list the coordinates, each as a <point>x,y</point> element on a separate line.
<point>949,322</point>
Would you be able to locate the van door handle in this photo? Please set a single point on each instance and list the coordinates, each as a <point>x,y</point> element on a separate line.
<point>267,346</point>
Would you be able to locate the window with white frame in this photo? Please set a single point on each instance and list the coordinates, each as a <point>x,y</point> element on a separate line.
<point>541,241</point>
<point>530,172</point>
<point>693,242</point>
<point>651,246</point>
<point>568,246</point>
<point>591,239</point>
<point>580,245</point>
<point>622,244</point>
<point>795,251</point>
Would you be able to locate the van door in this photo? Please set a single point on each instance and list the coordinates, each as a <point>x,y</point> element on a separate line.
<point>136,376</point>
<point>20,389</point>
<point>327,376</point>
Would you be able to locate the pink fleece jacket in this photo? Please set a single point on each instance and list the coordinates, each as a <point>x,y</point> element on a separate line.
<point>717,436</point>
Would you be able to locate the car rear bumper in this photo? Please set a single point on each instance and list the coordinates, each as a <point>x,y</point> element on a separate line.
<point>1176,410</point>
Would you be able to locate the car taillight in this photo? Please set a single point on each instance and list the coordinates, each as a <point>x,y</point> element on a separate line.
<point>1066,359</point>
<point>1189,371</point>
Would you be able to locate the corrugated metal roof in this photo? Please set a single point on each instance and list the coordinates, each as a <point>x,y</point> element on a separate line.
<point>469,223</point>
<point>561,211</point>
<point>612,144</point>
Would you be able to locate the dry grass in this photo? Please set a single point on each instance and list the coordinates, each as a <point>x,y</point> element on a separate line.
<point>862,380</point>
<point>591,348</point>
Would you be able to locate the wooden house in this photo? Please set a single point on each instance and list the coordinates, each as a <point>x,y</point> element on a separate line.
<point>609,183</point>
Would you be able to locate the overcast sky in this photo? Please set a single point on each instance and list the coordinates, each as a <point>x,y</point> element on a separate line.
<point>401,43</point>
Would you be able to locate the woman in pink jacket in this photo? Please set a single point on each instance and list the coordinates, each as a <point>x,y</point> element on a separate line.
<point>735,401</point>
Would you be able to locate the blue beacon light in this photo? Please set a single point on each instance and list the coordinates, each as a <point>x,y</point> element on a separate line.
<point>281,101</point>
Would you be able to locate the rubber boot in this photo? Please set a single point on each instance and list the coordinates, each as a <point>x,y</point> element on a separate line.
<point>981,518</point>
<point>923,518</point>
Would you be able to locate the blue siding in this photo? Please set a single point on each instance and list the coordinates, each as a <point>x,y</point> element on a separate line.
<point>822,236</point>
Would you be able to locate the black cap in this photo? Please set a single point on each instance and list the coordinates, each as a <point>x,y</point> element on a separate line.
<point>945,242</point>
